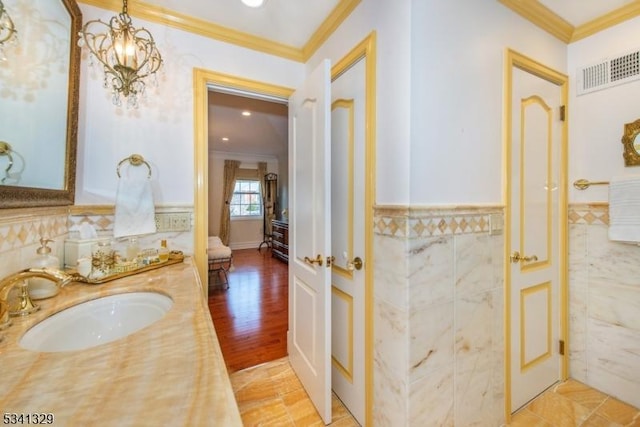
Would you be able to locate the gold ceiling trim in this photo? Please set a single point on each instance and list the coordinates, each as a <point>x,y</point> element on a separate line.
<point>543,17</point>
<point>538,14</point>
<point>324,31</point>
<point>204,28</point>
<point>609,20</point>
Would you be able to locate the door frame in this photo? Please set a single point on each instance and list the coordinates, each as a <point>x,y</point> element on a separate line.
<point>202,79</point>
<point>514,59</point>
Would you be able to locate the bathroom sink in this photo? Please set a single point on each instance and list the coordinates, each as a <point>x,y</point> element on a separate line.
<point>96,322</point>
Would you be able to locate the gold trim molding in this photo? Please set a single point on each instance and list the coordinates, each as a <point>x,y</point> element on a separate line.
<point>538,14</point>
<point>524,293</point>
<point>173,19</point>
<point>346,371</point>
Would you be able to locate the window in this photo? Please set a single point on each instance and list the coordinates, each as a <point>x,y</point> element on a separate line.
<point>247,200</point>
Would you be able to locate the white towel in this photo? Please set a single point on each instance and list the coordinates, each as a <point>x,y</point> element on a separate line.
<point>135,211</point>
<point>214,241</point>
<point>624,209</point>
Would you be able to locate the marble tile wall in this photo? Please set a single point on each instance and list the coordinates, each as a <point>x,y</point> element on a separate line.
<point>102,218</point>
<point>604,306</point>
<point>20,233</point>
<point>439,317</point>
<point>21,229</point>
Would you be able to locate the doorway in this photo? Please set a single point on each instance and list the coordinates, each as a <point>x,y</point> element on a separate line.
<point>535,229</point>
<point>204,79</point>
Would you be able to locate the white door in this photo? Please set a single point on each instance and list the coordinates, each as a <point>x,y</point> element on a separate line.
<point>309,337</point>
<point>348,237</point>
<point>536,230</point>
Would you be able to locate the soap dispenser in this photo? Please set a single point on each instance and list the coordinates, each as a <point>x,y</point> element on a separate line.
<point>43,288</point>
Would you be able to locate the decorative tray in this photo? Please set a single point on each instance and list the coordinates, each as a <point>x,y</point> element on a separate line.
<point>175,257</point>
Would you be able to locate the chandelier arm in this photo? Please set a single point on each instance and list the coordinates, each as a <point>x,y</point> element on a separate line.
<point>7,27</point>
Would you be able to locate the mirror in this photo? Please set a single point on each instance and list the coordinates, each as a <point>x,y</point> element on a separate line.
<point>631,143</point>
<point>39,92</point>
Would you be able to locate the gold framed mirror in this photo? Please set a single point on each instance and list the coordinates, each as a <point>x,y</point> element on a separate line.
<point>39,95</point>
<point>631,143</point>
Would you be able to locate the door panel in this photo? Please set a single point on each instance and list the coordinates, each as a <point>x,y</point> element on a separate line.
<point>535,229</point>
<point>308,341</point>
<point>348,146</point>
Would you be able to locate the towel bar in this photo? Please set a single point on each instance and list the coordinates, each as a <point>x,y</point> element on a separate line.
<point>5,150</point>
<point>134,160</point>
<point>583,184</point>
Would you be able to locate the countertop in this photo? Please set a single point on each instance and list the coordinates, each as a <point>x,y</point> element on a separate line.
<point>171,373</point>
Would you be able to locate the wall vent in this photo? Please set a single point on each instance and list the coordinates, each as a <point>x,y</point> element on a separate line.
<point>609,72</point>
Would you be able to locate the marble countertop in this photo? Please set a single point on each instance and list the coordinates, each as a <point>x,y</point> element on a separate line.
<point>171,373</point>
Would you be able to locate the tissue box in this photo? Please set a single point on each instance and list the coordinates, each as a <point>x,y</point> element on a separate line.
<point>77,248</point>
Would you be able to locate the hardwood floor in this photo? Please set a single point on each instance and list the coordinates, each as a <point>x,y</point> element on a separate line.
<point>251,317</point>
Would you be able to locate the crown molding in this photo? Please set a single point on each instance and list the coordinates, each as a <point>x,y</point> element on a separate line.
<point>538,14</point>
<point>609,20</point>
<point>164,16</point>
<point>190,24</point>
<point>546,19</point>
<point>324,31</point>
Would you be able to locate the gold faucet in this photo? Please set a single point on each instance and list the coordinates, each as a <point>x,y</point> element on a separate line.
<point>25,305</point>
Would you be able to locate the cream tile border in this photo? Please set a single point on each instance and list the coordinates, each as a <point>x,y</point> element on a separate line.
<point>423,221</point>
<point>18,216</point>
<point>23,228</point>
<point>589,213</point>
<point>102,216</point>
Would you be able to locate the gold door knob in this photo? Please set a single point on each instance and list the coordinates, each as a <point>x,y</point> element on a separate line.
<point>516,258</point>
<point>356,264</point>
<point>318,260</point>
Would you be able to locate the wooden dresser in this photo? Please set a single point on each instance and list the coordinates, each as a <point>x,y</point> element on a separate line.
<point>280,240</point>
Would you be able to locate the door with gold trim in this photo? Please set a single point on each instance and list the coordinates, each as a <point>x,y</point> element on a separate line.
<point>308,339</point>
<point>348,125</point>
<point>536,234</point>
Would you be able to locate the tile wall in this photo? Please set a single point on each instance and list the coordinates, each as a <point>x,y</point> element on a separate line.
<point>438,306</point>
<point>21,229</point>
<point>20,232</point>
<point>438,317</point>
<point>604,306</point>
<point>102,218</point>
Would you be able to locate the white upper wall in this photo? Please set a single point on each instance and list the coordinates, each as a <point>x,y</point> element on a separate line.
<point>391,21</point>
<point>596,120</point>
<point>439,93</point>
<point>457,80</point>
<point>162,128</point>
<point>439,102</point>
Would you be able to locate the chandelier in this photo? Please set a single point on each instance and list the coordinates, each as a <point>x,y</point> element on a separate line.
<point>128,55</point>
<point>8,33</point>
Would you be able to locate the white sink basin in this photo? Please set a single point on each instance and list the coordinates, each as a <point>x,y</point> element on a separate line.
<point>96,322</point>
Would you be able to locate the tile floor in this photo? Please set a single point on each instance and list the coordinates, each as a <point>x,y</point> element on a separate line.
<point>574,404</point>
<point>271,395</point>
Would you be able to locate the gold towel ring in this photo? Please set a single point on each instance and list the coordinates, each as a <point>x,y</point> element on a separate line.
<point>5,150</point>
<point>134,160</point>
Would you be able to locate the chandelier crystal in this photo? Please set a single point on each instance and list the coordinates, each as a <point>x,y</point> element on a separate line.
<point>8,32</point>
<point>128,55</point>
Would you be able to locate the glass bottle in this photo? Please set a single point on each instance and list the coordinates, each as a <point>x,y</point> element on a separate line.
<point>163,252</point>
